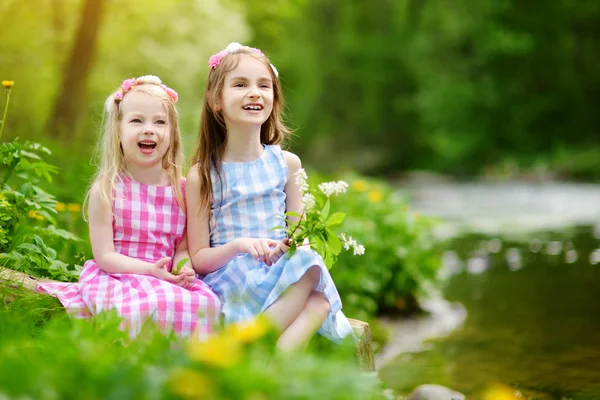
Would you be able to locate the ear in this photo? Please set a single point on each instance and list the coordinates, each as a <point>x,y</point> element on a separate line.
<point>217,106</point>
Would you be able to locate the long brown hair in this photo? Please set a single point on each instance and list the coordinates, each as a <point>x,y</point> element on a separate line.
<point>111,160</point>
<point>213,131</point>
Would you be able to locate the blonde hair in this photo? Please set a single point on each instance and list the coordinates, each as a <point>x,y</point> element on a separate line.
<point>112,166</point>
<point>213,131</point>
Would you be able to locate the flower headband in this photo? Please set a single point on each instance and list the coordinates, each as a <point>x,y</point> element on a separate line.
<point>215,60</point>
<point>128,84</point>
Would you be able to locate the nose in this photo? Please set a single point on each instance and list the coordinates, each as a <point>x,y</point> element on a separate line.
<point>253,92</point>
<point>148,129</point>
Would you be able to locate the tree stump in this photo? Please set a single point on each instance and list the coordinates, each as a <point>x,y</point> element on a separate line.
<point>14,281</point>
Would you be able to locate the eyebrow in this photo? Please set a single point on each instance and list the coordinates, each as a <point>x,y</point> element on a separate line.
<point>243,78</point>
<point>140,114</point>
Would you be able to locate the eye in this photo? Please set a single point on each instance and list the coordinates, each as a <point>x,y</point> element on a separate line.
<point>136,121</point>
<point>161,122</point>
<point>265,86</point>
<point>238,84</point>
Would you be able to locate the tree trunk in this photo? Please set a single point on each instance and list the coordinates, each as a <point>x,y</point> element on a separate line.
<point>72,94</point>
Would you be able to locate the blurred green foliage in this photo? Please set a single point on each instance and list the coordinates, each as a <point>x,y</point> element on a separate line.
<point>402,257</point>
<point>45,355</point>
<point>460,87</point>
<point>465,88</point>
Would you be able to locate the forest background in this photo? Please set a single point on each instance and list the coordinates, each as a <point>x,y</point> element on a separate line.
<point>493,88</point>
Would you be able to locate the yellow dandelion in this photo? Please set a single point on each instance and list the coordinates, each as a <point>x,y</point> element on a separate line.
<point>34,215</point>
<point>74,208</point>
<point>219,350</point>
<point>501,392</point>
<point>359,185</point>
<point>60,207</point>
<point>8,84</point>
<point>190,384</point>
<point>374,196</point>
<point>249,331</point>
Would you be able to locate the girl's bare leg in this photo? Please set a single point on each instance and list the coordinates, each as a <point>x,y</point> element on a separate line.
<point>306,324</point>
<point>288,307</point>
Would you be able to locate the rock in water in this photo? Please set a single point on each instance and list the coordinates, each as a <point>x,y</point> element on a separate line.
<point>435,392</point>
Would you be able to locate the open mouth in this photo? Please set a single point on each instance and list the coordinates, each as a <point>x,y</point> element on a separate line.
<point>146,145</point>
<point>253,107</point>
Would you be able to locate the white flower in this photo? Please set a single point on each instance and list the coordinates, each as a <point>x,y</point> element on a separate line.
<point>329,188</point>
<point>300,178</point>
<point>308,200</point>
<point>233,47</point>
<point>150,79</point>
<point>350,243</point>
<point>359,250</point>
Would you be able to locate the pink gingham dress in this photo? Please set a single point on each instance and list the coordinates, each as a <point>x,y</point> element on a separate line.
<point>148,224</point>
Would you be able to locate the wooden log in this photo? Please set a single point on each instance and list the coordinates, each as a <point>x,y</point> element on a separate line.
<point>16,280</point>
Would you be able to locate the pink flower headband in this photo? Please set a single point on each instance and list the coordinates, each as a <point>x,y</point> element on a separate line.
<point>215,60</point>
<point>151,79</point>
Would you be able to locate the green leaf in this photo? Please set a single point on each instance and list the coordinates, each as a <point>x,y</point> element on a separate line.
<point>177,269</point>
<point>293,214</point>
<point>335,219</point>
<point>30,247</point>
<point>325,210</point>
<point>334,243</point>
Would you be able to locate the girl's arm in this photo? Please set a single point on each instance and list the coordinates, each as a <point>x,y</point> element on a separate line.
<point>293,194</point>
<point>206,259</point>
<point>293,200</point>
<point>101,238</point>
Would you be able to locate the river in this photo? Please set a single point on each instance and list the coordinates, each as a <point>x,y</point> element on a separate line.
<point>522,278</point>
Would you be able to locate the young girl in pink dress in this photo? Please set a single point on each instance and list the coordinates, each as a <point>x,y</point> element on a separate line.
<point>137,221</point>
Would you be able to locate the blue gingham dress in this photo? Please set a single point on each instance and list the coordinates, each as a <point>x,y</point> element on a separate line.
<point>251,203</point>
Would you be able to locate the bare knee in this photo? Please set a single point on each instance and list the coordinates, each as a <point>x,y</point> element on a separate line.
<point>318,304</point>
<point>312,276</point>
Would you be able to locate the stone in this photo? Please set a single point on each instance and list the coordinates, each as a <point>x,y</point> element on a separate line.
<point>434,392</point>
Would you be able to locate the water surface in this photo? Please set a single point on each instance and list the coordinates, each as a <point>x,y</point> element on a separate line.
<point>533,320</point>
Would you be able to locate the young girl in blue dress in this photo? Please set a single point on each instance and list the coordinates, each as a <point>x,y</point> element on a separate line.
<point>241,185</point>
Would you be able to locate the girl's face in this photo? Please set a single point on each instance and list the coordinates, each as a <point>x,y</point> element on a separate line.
<point>247,96</point>
<point>145,129</point>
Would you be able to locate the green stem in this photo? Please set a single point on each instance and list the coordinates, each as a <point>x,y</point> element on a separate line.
<point>297,224</point>
<point>5,111</point>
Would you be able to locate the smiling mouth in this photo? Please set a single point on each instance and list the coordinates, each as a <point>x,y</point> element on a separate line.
<point>146,145</point>
<point>253,107</point>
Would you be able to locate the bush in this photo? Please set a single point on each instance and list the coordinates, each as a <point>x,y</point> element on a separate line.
<point>401,256</point>
<point>28,232</point>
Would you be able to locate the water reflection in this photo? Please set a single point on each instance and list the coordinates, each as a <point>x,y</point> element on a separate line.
<point>533,320</point>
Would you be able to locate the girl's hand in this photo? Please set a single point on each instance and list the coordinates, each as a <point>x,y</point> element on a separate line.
<point>188,277</point>
<point>277,252</point>
<point>159,270</point>
<point>258,248</point>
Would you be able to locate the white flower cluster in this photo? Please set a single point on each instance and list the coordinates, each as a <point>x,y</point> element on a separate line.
<point>329,188</point>
<point>349,243</point>
<point>300,178</point>
<point>308,200</point>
